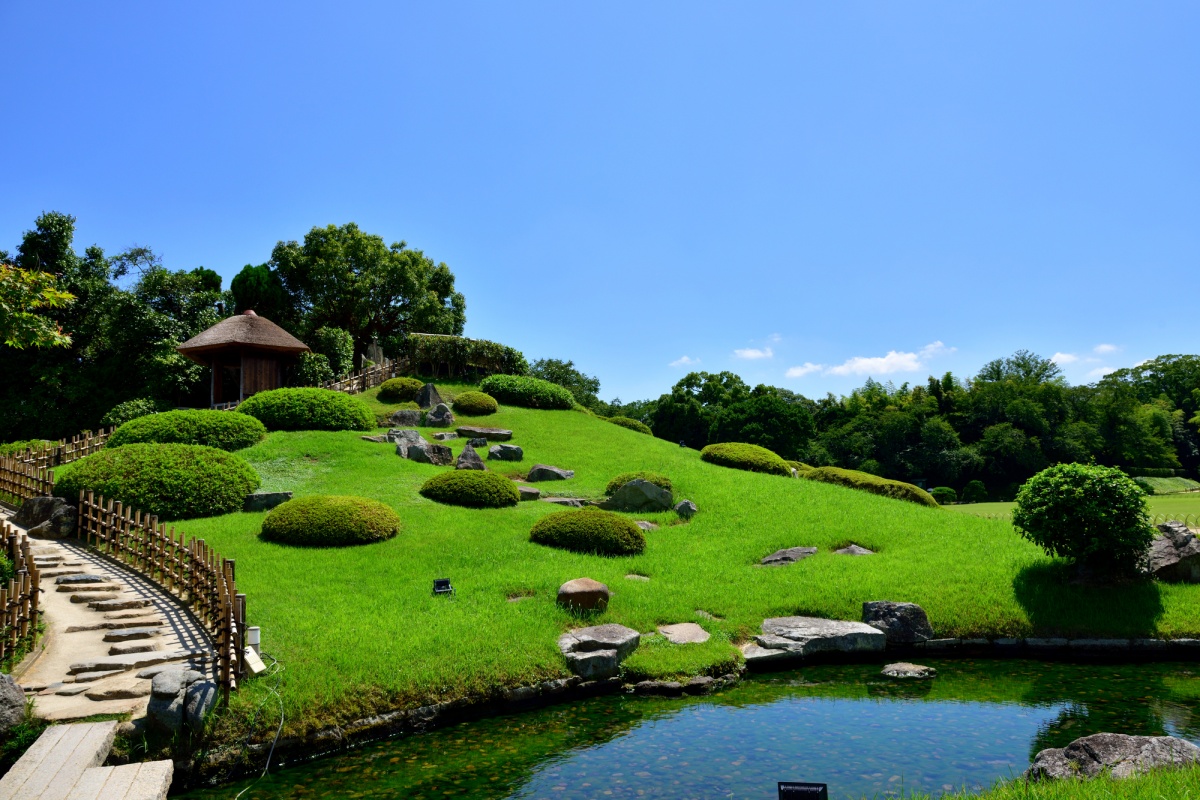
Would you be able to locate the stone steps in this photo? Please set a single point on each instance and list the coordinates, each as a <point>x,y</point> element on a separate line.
<point>131,661</point>
<point>118,624</point>
<point>118,605</point>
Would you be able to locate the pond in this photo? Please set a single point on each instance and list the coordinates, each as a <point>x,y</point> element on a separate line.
<point>865,736</point>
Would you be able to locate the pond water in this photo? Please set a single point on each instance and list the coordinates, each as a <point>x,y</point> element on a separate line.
<point>977,722</point>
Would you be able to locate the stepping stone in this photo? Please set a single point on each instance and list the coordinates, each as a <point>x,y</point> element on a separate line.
<point>903,670</point>
<point>150,672</point>
<point>569,502</point>
<point>92,599</point>
<point>684,633</point>
<point>116,625</point>
<point>71,689</point>
<point>799,637</point>
<point>104,587</point>
<point>646,525</point>
<point>118,605</point>
<point>52,688</point>
<point>545,472</point>
<point>125,690</point>
<point>56,573</point>
<point>631,577</point>
<point>854,550</point>
<point>789,556</point>
<point>83,578</point>
<point>129,634</point>
<point>529,492</point>
<point>126,615</point>
<point>134,661</point>
<point>491,434</point>
<point>96,675</point>
<point>132,647</point>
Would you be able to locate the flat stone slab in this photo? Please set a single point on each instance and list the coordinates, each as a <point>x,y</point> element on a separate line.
<point>132,647</point>
<point>684,633</point>
<point>569,502</point>
<point>90,587</point>
<point>903,670</point>
<point>789,556</point>
<point>546,472</point>
<point>125,690</point>
<point>129,634</point>
<point>70,689</point>
<point>97,675</point>
<point>116,625</point>
<point>854,550</point>
<point>800,637</point>
<point>91,599</point>
<point>491,434</point>
<point>131,661</point>
<point>505,452</point>
<point>529,492</point>
<point>118,605</point>
<point>597,652</point>
<point>646,525</point>
<point>82,578</point>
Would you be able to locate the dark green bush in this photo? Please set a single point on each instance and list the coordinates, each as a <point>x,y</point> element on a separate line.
<point>632,424</point>
<point>740,455</point>
<point>897,490</point>
<point>131,409</point>
<point>330,521</point>
<point>309,410</point>
<point>399,390</point>
<point>589,530</point>
<point>625,477</point>
<point>174,481</point>
<point>1095,516</point>
<point>944,495</point>
<point>1145,485</point>
<point>974,492</point>
<point>225,430</point>
<point>472,488</point>
<point>476,404</point>
<point>518,390</point>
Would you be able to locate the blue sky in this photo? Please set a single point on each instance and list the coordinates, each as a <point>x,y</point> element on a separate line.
<point>806,194</point>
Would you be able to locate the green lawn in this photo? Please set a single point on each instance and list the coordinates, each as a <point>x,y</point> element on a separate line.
<point>1172,506</point>
<point>1166,784</point>
<point>359,632</point>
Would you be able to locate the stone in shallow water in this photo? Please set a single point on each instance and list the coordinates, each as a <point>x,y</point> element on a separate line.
<point>903,670</point>
<point>684,633</point>
<point>789,556</point>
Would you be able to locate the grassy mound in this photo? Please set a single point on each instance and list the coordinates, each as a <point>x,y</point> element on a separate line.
<point>224,430</point>
<point>632,424</point>
<point>399,390</point>
<point>897,490</point>
<point>518,390</point>
<point>471,488</point>
<point>309,410</point>
<point>651,477</point>
<point>745,456</point>
<point>173,481</point>
<point>476,404</point>
<point>799,466</point>
<point>330,521</point>
<point>589,530</point>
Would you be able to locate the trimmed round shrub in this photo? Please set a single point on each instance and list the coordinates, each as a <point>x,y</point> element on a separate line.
<point>661,481</point>
<point>330,521</point>
<point>309,410</point>
<point>974,492</point>
<point>173,481</point>
<point>740,455</point>
<point>471,488</point>
<point>225,430</point>
<point>131,409</point>
<point>799,466</point>
<point>853,479</point>
<point>399,390</point>
<point>518,390</point>
<point>476,404</point>
<point>632,424</point>
<point>1095,516</point>
<point>944,495</point>
<point>589,530</point>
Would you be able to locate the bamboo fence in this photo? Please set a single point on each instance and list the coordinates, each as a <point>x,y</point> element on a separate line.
<point>19,599</point>
<point>364,379</point>
<point>64,451</point>
<point>19,481</point>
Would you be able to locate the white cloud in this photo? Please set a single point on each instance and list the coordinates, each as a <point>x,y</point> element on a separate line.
<point>804,369</point>
<point>754,354</point>
<point>879,365</point>
<point>936,349</point>
<point>1064,358</point>
<point>1100,372</point>
<point>684,361</point>
<point>774,338</point>
<point>1104,349</point>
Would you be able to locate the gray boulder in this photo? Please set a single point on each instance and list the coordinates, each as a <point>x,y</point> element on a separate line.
<point>646,525</point>
<point>428,453</point>
<point>404,439</point>
<point>428,396</point>
<point>529,492</point>
<point>854,550</point>
<point>491,434</point>
<point>686,509</point>
<point>568,502</point>
<point>439,417</point>
<point>789,556</point>
<point>407,417</point>
<point>1125,756</point>
<point>469,459</point>
<point>1175,555</point>
<point>379,438</point>
<point>478,442</point>
<point>597,652</point>
<point>168,708</point>
<point>444,436</point>
<point>505,452</point>
<point>199,699</point>
<point>786,638</point>
<point>903,670</point>
<point>47,517</point>
<point>638,495</point>
<point>904,623</point>
<point>12,703</point>
<point>265,501</point>
<point>545,472</point>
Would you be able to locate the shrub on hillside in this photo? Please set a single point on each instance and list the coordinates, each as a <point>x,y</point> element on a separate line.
<point>632,424</point>
<point>131,409</point>
<point>471,488</point>
<point>330,521</point>
<point>897,490</point>
<point>740,455</point>
<point>173,481</point>
<point>974,492</point>
<point>309,410</point>
<point>625,477</point>
<point>12,448</point>
<point>518,390</point>
<point>589,530</point>
<point>399,390</point>
<point>944,495</point>
<point>1095,516</point>
<point>225,430</point>
<point>799,466</point>
<point>475,404</point>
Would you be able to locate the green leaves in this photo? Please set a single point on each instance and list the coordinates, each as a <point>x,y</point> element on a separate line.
<point>23,293</point>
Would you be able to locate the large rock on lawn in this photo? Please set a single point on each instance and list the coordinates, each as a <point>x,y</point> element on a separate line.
<point>47,517</point>
<point>1124,755</point>
<point>854,550</point>
<point>428,453</point>
<point>799,637</point>
<point>505,452</point>
<point>469,459</point>
<point>584,594</point>
<point>408,417</point>
<point>789,556</point>
<point>265,501</point>
<point>597,652</point>
<point>545,472</point>
<point>439,417</point>
<point>491,434</point>
<point>904,623</point>
<point>529,492</point>
<point>428,396</point>
<point>686,509</point>
<point>1175,555</point>
<point>639,495</point>
<point>12,703</point>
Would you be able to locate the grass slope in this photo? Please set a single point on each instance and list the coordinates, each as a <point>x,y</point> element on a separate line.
<point>359,632</point>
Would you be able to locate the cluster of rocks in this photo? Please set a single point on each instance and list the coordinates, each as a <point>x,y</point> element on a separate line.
<point>411,445</point>
<point>884,622</point>
<point>791,555</point>
<point>179,700</point>
<point>1117,754</point>
<point>47,517</point>
<point>597,652</point>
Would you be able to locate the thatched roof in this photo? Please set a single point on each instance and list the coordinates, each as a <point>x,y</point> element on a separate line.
<point>245,330</point>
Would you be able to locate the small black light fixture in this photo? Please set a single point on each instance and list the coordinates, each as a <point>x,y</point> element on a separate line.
<point>682,443</point>
<point>442,586</point>
<point>796,790</point>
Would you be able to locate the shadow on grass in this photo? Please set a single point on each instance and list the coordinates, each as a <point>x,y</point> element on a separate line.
<point>1058,607</point>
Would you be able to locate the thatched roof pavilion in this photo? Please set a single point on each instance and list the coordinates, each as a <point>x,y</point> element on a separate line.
<point>247,354</point>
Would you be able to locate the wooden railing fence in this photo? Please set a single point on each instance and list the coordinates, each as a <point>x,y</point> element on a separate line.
<point>188,569</point>
<point>64,451</point>
<point>20,481</point>
<point>19,599</point>
<point>367,378</point>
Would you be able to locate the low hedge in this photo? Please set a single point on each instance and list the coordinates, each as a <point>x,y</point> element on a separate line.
<point>471,488</point>
<point>943,495</point>
<point>173,481</point>
<point>897,490</point>
<point>12,448</point>
<point>745,456</point>
<point>225,430</point>
<point>330,521</point>
<point>518,390</point>
<point>651,477</point>
<point>399,390</point>
<point>589,530</point>
<point>476,404</point>
<point>132,409</point>
<point>309,410</point>
<point>632,424</point>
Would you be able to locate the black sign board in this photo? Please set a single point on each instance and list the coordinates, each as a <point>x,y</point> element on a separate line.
<point>792,790</point>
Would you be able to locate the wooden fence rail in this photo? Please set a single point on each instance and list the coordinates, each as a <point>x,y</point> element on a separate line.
<point>367,378</point>
<point>188,569</point>
<point>64,451</point>
<point>19,481</point>
<point>19,599</point>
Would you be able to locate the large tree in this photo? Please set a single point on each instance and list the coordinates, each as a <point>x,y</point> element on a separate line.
<point>23,294</point>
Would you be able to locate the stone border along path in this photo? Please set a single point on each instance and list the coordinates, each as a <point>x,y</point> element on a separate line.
<point>108,631</point>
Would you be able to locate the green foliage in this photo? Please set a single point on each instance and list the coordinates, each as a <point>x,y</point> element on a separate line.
<point>651,477</point>
<point>130,410</point>
<point>1153,472</point>
<point>1156,486</point>
<point>1095,516</point>
<point>471,488</point>
<point>12,448</point>
<point>7,571</point>
<point>476,404</point>
<point>260,289</point>
<point>399,390</point>
<point>313,369</point>
<point>767,420</point>
<point>1145,485</point>
<point>519,390</point>
<point>943,495</point>
<point>338,348</point>
<point>589,530</point>
<point>309,410</point>
<point>173,481</point>
<point>740,455</point>
<point>225,430</point>
<point>23,294</point>
<point>582,387</point>
<point>974,492</point>
<point>632,424</point>
<point>429,354</point>
<point>799,466</point>
<point>330,521</point>
<point>897,490</point>
<point>688,412</point>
